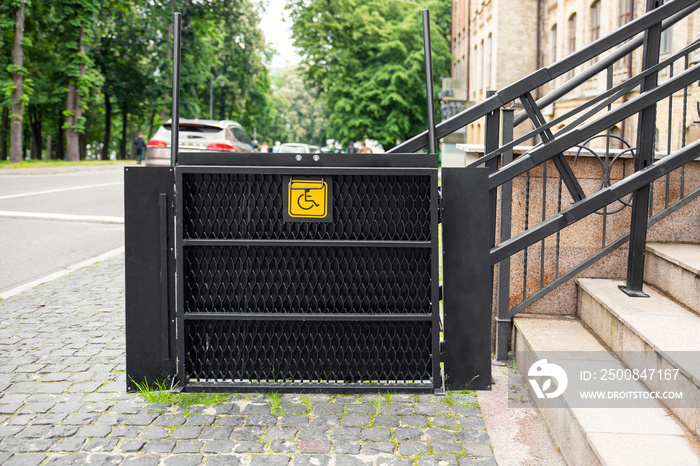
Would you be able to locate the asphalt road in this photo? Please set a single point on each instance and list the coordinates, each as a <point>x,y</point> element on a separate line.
<point>51,220</point>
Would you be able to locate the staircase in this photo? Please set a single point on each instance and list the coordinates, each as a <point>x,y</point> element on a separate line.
<point>660,332</point>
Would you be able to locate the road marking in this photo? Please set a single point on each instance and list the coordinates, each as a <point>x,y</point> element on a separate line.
<point>61,217</point>
<point>60,273</point>
<point>51,191</point>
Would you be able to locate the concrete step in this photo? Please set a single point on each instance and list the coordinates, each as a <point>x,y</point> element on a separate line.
<point>589,435</point>
<point>674,268</point>
<point>648,333</point>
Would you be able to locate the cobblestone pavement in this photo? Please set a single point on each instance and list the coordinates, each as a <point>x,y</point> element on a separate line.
<point>63,401</point>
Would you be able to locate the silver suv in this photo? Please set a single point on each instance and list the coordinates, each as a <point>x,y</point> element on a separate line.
<point>197,135</point>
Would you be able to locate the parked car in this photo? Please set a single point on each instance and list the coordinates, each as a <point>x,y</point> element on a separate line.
<point>294,148</point>
<point>315,149</point>
<point>197,135</point>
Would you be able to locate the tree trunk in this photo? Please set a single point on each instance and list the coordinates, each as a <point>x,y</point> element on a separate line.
<point>74,109</point>
<point>4,132</point>
<point>35,138</point>
<point>48,147</point>
<point>60,151</point>
<point>17,80</point>
<point>83,140</point>
<point>125,124</point>
<point>108,127</point>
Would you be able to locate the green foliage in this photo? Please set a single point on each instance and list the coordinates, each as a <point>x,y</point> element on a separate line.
<point>365,59</point>
<point>160,393</point>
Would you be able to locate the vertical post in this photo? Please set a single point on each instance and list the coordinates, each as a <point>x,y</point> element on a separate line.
<point>503,319</point>
<point>646,132</point>
<point>175,121</point>
<point>430,96</point>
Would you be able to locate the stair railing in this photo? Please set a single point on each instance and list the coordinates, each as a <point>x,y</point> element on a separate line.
<point>584,125</point>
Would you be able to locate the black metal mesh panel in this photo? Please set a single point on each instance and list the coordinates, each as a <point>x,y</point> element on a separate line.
<point>325,351</point>
<point>250,206</point>
<point>299,279</point>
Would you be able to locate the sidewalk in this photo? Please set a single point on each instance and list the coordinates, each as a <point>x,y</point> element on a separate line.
<point>63,401</point>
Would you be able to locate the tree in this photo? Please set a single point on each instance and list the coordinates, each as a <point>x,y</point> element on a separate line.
<point>365,59</point>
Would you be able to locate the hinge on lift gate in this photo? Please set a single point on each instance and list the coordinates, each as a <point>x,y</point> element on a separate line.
<point>442,350</point>
<point>440,207</point>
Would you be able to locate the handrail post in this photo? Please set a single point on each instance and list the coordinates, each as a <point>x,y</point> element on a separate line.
<point>491,140</point>
<point>175,121</point>
<point>646,131</point>
<point>503,319</point>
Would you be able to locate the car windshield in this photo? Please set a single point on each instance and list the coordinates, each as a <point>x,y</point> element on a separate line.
<point>194,128</point>
<point>288,148</point>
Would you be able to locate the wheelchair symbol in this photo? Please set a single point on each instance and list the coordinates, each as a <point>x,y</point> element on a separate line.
<point>307,203</point>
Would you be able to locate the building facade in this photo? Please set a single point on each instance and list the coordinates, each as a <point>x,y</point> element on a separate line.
<point>497,42</point>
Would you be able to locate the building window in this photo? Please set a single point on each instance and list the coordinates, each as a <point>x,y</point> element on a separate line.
<point>595,21</point>
<point>553,43</point>
<point>489,52</point>
<point>626,15</point>
<point>572,38</point>
<point>481,65</point>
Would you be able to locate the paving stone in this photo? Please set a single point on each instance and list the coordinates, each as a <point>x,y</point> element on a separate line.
<point>218,446</point>
<point>26,459</point>
<point>62,431</point>
<point>447,448</point>
<point>408,433</point>
<point>169,420</point>
<point>413,447</point>
<point>21,419</point>
<point>186,433</point>
<point>37,445</point>
<point>377,448</point>
<point>155,433</point>
<point>10,408</point>
<point>314,446</point>
<point>396,408</point>
<point>11,445</point>
<point>200,420</point>
<point>228,409</point>
<point>249,447</point>
<point>445,422</point>
<point>294,420</point>
<point>132,445</point>
<point>95,431</point>
<point>104,460</point>
<point>111,420</point>
<point>347,460</point>
<point>68,460</point>
<point>233,421</point>
<point>160,446</point>
<point>261,420</point>
<point>345,433</point>
<point>383,461</point>
<point>280,433</point>
<point>246,433</point>
<point>257,409</point>
<point>215,433</point>
<point>188,446</point>
<point>269,460</point>
<point>222,460</point>
<point>355,420</point>
<point>361,408</point>
<point>294,408</point>
<point>322,408</point>
<point>126,432</point>
<point>50,419</point>
<point>37,408</point>
<point>9,431</point>
<point>478,449</point>
<point>440,434</point>
<point>346,448</point>
<point>472,423</point>
<point>313,434</point>
<point>387,421</point>
<point>82,419</point>
<point>466,410</point>
<point>375,434</point>
<point>150,460</point>
<point>311,460</point>
<point>473,436</point>
<point>283,446</point>
<point>437,461</point>
<point>34,432</point>
<point>429,409</point>
<point>100,445</point>
<point>477,462</point>
<point>67,407</point>
<point>182,460</point>
<point>324,422</point>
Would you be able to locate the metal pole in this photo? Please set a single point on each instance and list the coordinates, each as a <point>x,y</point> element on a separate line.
<point>646,131</point>
<point>175,120</point>
<point>211,99</point>
<point>430,97</point>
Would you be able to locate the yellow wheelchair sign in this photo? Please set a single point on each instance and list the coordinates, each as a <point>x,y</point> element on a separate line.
<point>308,199</point>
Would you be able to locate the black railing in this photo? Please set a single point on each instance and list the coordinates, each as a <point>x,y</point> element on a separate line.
<point>579,132</point>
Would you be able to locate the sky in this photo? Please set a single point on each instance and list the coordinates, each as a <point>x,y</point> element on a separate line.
<point>276,26</point>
